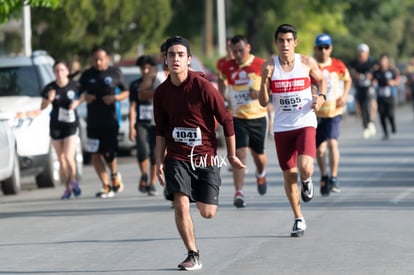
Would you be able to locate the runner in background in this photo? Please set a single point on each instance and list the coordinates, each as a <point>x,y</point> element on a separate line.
<point>142,127</point>
<point>242,75</point>
<point>330,114</point>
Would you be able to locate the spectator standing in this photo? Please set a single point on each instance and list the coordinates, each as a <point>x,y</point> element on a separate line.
<point>288,77</point>
<point>361,72</point>
<point>142,127</point>
<point>186,107</point>
<point>63,94</point>
<point>330,114</point>
<point>386,80</point>
<point>103,87</point>
<point>242,75</point>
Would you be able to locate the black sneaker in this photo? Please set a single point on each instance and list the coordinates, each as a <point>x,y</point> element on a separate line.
<point>334,186</point>
<point>307,190</point>
<point>325,186</point>
<point>299,227</point>
<point>105,193</point>
<point>239,200</point>
<point>192,262</point>
<point>143,184</point>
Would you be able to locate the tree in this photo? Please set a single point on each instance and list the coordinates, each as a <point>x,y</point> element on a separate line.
<point>380,24</point>
<point>77,25</point>
<point>260,20</point>
<point>10,8</point>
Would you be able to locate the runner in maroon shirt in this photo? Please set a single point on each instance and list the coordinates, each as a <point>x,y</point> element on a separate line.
<point>185,108</point>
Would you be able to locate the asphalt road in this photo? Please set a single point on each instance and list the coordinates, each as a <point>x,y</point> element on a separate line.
<point>366,229</point>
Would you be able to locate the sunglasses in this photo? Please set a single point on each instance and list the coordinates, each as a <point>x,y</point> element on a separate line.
<point>323,47</point>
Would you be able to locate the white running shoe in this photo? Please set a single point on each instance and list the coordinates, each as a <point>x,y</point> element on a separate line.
<point>372,129</point>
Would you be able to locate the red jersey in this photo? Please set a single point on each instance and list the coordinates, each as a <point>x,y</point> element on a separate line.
<point>185,116</point>
<point>335,73</point>
<point>241,78</point>
<point>220,64</point>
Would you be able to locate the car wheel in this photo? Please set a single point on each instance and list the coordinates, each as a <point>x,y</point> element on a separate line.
<point>50,174</point>
<point>11,186</point>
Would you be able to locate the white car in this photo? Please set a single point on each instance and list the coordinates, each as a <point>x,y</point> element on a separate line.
<point>22,79</point>
<point>9,163</point>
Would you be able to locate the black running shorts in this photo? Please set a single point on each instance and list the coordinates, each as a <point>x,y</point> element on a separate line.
<point>201,184</point>
<point>251,133</point>
<point>63,132</point>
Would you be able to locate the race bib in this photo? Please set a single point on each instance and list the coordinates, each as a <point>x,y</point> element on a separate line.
<point>363,81</point>
<point>242,98</point>
<point>92,145</point>
<point>65,115</point>
<point>189,136</point>
<point>145,112</point>
<point>290,103</point>
<point>384,91</point>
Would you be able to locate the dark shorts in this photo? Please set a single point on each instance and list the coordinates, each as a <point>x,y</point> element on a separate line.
<point>202,184</point>
<point>145,142</point>
<point>291,144</point>
<point>251,133</point>
<point>328,128</point>
<point>107,139</point>
<point>62,133</point>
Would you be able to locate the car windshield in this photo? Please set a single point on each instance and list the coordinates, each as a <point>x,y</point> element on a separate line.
<point>18,81</point>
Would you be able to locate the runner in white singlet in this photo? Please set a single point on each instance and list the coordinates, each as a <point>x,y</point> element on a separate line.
<point>288,78</point>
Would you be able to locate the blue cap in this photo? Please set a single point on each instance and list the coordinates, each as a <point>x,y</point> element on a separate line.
<point>323,39</point>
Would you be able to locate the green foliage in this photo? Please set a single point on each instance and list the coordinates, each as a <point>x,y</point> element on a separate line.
<point>309,17</point>
<point>10,8</point>
<point>74,26</point>
<point>380,24</point>
<point>77,25</point>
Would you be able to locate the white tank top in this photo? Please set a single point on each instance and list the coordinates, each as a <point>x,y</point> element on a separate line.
<point>292,97</point>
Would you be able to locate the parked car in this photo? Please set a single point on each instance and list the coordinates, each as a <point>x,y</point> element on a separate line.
<point>130,73</point>
<point>22,79</point>
<point>9,163</point>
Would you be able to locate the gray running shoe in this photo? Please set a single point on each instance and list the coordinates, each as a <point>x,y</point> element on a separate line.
<point>261,185</point>
<point>151,190</point>
<point>333,185</point>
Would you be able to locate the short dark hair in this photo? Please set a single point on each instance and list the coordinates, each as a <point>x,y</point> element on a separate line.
<point>144,60</point>
<point>97,48</point>
<point>163,47</point>
<point>178,40</point>
<point>286,28</point>
<point>238,38</point>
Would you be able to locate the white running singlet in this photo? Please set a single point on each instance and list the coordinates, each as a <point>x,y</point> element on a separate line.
<point>292,97</point>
